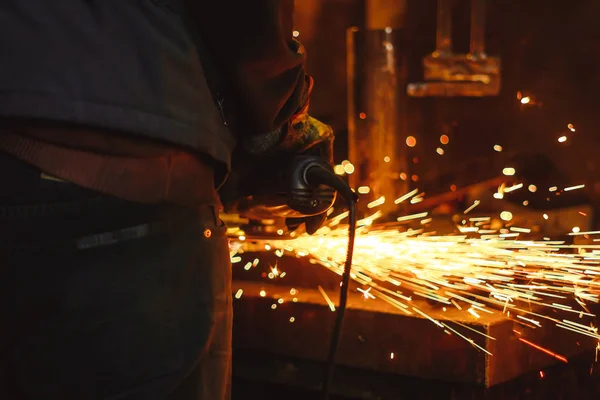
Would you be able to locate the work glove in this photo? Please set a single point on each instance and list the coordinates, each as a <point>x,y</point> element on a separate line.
<point>257,165</point>
<point>309,136</point>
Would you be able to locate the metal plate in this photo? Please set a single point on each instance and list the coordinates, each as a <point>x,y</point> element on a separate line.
<point>373,330</point>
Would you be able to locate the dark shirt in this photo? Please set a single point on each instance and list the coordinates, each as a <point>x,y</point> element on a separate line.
<point>189,76</point>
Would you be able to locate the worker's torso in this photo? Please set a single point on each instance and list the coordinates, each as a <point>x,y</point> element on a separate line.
<point>127,65</point>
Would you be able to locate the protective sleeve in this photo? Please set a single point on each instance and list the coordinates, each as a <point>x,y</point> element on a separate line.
<point>261,66</point>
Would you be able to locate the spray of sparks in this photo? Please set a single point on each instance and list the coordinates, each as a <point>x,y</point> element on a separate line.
<point>479,271</point>
<point>524,280</point>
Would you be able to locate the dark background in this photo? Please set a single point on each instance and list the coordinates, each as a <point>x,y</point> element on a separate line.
<point>549,51</point>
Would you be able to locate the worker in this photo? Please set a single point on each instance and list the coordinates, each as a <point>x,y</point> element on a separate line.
<point>118,119</point>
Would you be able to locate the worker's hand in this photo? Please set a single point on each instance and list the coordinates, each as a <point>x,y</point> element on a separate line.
<point>309,136</point>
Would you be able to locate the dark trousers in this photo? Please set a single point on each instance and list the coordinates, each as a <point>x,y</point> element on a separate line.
<point>105,299</point>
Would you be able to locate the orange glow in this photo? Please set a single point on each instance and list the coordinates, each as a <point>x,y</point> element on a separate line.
<point>444,139</point>
<point>411,141</point>
<point>362,115</point>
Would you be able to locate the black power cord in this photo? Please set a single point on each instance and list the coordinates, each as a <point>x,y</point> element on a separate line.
<point>316,175</point>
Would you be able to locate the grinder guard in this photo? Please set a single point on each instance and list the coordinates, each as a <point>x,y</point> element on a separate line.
<point>273,186</point>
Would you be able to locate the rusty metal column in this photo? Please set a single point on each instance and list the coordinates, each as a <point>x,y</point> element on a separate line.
<point>377,107</point>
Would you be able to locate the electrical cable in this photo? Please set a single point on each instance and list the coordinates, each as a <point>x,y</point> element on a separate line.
<point>315,176</point>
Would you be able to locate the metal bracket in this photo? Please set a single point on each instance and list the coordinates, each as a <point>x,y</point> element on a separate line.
<point>448,74</point>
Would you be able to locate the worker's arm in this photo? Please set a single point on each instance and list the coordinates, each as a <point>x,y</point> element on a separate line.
<point>261,66</point>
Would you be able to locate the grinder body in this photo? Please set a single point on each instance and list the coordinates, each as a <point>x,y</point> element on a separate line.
<point>276,186</point>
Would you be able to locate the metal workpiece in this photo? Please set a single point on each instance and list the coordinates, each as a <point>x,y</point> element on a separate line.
<point>297,323</point>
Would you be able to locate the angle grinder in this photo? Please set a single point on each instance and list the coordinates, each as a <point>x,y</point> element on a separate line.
<point>264,191</point>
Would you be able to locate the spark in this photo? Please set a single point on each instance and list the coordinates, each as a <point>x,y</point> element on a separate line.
<point>568,189</point>
<point>349,169</point>
<point>327,299</point>
<point>544,350</point>
<point>475,204</point>
<point>506,215</point>
<point>376,203</point>
<point>366,293</point>
<point>562,139</point>
<point>513,188</point>
<point>498,148</point>
<point>411,217</point>
<point>584,233</point>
